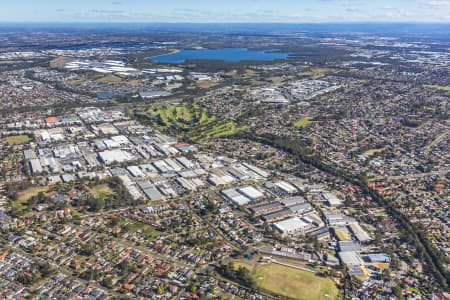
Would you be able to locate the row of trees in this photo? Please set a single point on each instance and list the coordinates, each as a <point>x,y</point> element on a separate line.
<point>240,275</point>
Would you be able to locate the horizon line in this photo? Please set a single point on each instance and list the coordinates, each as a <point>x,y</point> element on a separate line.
<point>223,23</point>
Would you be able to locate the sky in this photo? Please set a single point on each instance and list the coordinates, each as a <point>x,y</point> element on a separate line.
<point>228,11</point>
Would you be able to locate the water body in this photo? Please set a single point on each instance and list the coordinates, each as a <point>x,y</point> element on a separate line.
<point>227,55</point>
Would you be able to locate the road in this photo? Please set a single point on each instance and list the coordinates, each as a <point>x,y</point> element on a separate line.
<point>436,141</point>
<point>414,176</point>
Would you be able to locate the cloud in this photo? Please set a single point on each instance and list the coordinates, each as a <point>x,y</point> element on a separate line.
<point>436,4</point>
<point>261,11</point>
<point>353,10</point>
<point>107,11</point>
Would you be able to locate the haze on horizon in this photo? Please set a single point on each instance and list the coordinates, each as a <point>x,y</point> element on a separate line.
<point>231,11</point>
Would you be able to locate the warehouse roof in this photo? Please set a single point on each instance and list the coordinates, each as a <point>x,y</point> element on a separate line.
<point>279,214</point>
<point>348,246</point>
<point>359,233</point>
<point>287,187</point>
<point>290,225</point>
<point>332,199</point>
<point>234,196</point>
<point>251,192</point>
<point>292,201</point>
<point>262,208</point>
<point>350,258</point>
<point>379,258</point>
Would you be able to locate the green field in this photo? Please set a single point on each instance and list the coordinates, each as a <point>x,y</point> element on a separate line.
<point>371,152</point>
<point>206,84</point>
<point>438,87</point>
<point>16,140</point>
<point>147,231</point>
<point>343,235</point>
<point>25,195</point>
<point>317,72</point>
<point>291,282</point>
<point>304,122</point>
<point>190,120</point>
<point>102,191</point>
<point>109,79</point>
<point>60,62</point>
<point>100,78</point>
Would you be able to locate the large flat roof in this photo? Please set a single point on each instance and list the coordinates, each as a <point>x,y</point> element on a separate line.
<point>251,192</point>
<point>291,224</point>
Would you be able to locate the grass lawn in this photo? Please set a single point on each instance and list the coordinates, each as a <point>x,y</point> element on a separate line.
<point>343,235</point>
<point>316,72</point>
<point>148,231</point>
<point>302,123</point>
<point>77,80</point>
<point>217,130</point>
<point>74,212</point>
<point>60,62</point>
<point>292,282</point>
<point>414,290</point>
<point>371,152</point>
<point>109,79</point>
<point>279,79</point>
<point>438,87</point>
<point>32,191</point>
<point>16,140</point>
<point>25,195</point>
<point>238,264</point>
<point>102,191</point>
<point>206,84</point>
<point>193,121</point>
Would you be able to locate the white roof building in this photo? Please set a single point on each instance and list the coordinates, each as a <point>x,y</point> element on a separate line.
<point>135,171</point>
<point>331,199</point>
<point>251,192</point>
<point>291,226</point>
<point>350,258</point>
<point>35,166</point>
<point>257,170</point>
<point>360,234</point>
<point>235,197</point>
<point>287,187</point>
<point>110,156</point>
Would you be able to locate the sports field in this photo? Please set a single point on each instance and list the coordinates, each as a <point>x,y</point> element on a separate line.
<point>292,282</point>
<point>16,140</point>
<point>442,88</point>
<point>302,123</point>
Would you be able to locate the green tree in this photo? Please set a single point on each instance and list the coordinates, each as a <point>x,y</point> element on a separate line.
<point>397,292</point>
<point>160,290</point>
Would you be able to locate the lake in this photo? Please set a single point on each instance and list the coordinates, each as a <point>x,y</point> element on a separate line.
<point>226,54</point>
